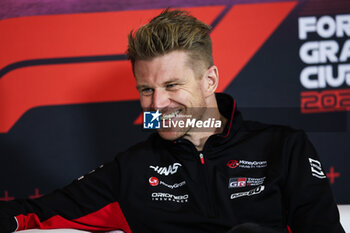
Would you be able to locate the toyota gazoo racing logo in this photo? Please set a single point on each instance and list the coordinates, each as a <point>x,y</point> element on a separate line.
<point>251,192</point>
<point>238,182</point>
<point>172,169</point>
<point>169,197</point>
<point>153,181</point>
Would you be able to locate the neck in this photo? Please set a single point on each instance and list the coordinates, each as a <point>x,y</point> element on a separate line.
<point>199,138</point>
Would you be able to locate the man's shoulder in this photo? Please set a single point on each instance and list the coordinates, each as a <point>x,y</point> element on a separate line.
<point>141,148</point>
<point>261,127</point>
<point>274,135</point>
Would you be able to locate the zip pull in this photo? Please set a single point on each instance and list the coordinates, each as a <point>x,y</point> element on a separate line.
<point>201,156</point>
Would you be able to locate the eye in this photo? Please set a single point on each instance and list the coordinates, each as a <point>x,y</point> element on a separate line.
<point>146,91</point>
<point>171,86</point>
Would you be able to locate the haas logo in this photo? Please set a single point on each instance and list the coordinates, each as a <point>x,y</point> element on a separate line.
<point>172,169</point>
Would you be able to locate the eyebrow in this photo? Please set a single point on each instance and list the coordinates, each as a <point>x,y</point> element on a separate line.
<point>140,86</point>
<point>172,81</point>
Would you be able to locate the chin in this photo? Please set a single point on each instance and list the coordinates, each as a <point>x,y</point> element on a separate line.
<point>171,134</point>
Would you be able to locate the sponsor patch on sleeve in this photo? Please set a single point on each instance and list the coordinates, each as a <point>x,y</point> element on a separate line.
<point>316,168</point>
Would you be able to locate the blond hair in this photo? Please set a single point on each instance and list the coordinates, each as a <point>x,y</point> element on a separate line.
<point>169,31</point>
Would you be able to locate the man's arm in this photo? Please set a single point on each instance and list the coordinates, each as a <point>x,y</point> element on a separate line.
<point>310,203</point>
<point>89,203</point>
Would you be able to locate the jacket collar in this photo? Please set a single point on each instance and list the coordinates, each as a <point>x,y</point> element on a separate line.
<point>228,108</point>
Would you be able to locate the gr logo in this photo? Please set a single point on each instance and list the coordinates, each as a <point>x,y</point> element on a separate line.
<point>237,182</point>
<point>151,120</point>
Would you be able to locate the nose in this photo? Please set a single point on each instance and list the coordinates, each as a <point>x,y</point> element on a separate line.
<point>160,99</point>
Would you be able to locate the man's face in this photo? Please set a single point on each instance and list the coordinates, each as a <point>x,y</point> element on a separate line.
<point>167,83</point>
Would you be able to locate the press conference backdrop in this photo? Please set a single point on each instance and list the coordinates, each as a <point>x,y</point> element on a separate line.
<point>68,101</point>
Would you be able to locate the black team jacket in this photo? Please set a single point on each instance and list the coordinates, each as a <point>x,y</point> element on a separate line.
<point>263,174</point>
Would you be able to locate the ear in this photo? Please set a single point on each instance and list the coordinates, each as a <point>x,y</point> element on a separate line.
<point>211,80</point>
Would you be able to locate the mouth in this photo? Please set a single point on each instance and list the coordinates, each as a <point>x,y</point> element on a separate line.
<point>167,116</point>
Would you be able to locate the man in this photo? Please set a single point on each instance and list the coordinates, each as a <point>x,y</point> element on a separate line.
<point>191,178</point>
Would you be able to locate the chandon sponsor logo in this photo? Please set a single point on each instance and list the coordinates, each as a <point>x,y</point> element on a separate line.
<point>172,169</point>
<point>251,192</point>
<point>169,197</point>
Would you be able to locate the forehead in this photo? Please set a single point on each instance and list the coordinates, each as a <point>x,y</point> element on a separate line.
<point>171,65</point>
